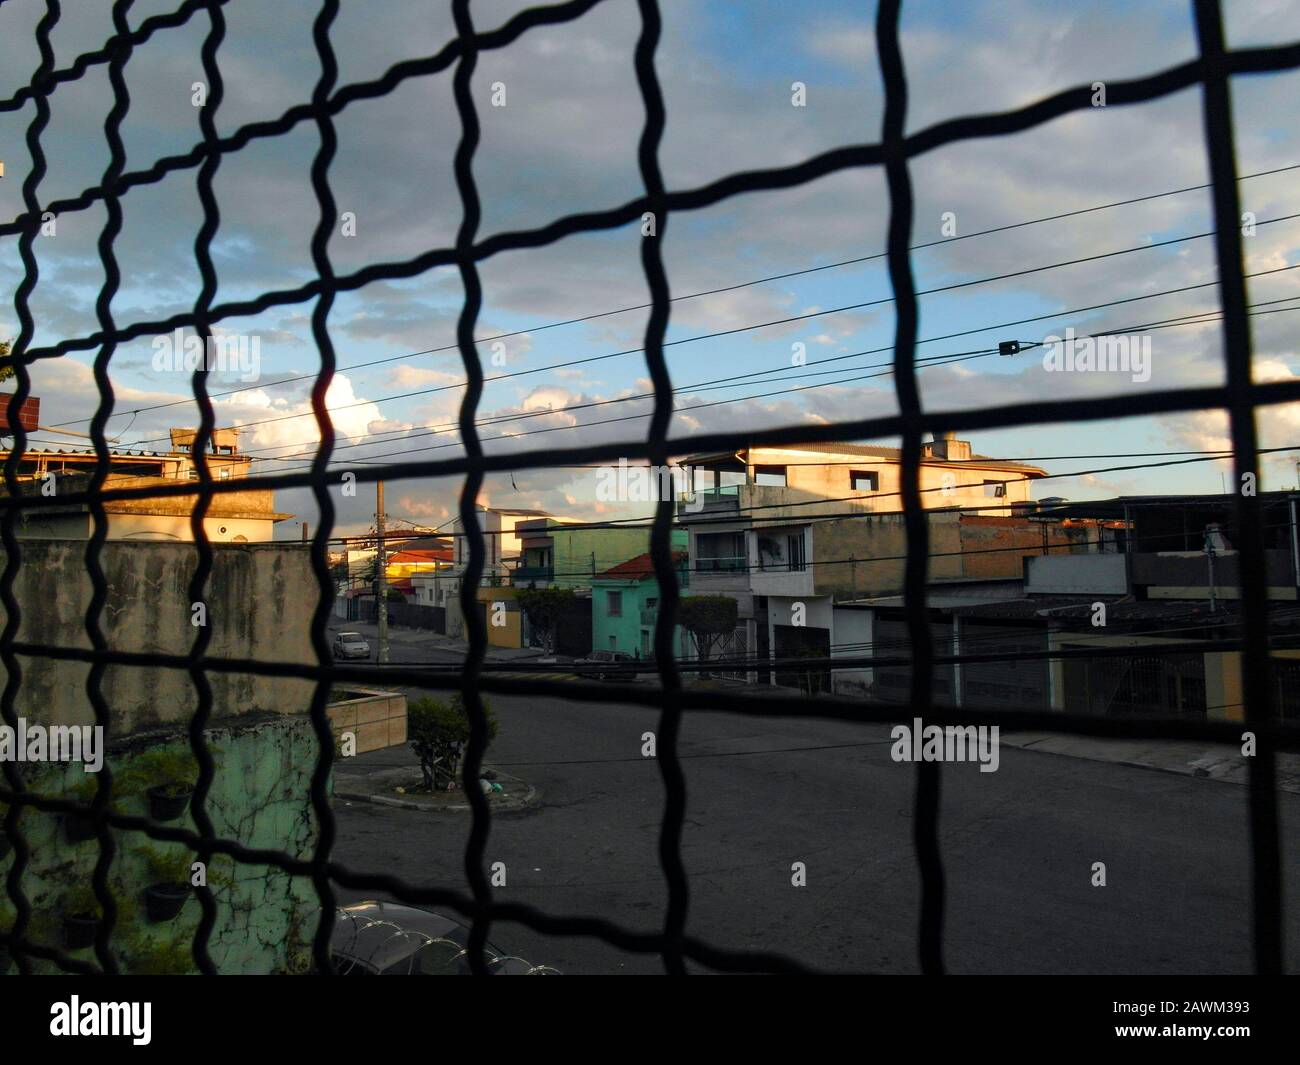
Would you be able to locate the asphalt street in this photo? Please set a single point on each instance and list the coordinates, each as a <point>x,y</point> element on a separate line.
<point>1018,846</point>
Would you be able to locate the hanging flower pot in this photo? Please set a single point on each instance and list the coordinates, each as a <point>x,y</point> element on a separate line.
<point>162,902</point>
<point>167,802</point>
<point>78,827</point>
<point>79,930</point>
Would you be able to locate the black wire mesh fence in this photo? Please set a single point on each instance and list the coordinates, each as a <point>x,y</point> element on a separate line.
<point>1211,72</point>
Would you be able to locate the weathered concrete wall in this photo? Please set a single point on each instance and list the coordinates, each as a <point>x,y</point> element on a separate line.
<point>260,798</point>
<point>995,546</point>
<point>376,719</point>
<point>70,525</point>
<point>878,543</point>
<point>961,546</point>
<point>259,603</point>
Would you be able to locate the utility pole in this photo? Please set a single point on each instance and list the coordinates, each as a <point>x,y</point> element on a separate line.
<point>381,577</point>
<point>1210,530</point>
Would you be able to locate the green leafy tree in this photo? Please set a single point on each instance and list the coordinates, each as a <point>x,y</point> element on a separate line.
<point>438,733</point>
<point>708,618</point>
<point>545,607</point>
<point>6,372</point>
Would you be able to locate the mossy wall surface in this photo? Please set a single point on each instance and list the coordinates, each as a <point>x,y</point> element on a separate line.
<point>260,798</point>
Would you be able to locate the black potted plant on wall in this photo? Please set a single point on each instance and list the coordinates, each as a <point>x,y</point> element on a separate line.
<point>167,802</point>
<point>81,915</point>
<point>167,779</point>
<point>169,883</point>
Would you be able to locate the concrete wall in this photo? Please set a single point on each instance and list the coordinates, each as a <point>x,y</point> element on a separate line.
<point>851,637</point>
<point>376,719</point>
<point>879,544</point>
<point>993,546</point>
<point>962,546</point>
<point>265,918</point>
<point>134,526</point>
<point>1077,575</point>
<point>259,602</point>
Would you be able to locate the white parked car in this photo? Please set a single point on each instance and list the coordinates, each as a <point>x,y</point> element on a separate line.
<point>351,645</point>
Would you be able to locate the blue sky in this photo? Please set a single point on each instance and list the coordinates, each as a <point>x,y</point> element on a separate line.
<point>566,140</point>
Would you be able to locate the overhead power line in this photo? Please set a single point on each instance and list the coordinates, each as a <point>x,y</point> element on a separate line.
<point>709,292</point>
<point>439,429</point>
<point>374,459</point>
<point>716,334</point>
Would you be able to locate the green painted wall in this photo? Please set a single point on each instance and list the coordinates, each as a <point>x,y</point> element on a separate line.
<point>574,548</point>
<point>625,629</point>
<point>260,798</point>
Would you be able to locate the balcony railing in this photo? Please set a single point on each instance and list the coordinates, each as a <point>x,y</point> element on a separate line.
<point>524,574</point>
<point>722,565</point>
<point>707,495</point>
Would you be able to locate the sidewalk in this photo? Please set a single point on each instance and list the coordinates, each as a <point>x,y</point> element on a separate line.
<point>1215,761</point>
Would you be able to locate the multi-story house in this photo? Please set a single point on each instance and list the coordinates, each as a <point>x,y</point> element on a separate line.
<point>245,516</point>
<point>789,532</point>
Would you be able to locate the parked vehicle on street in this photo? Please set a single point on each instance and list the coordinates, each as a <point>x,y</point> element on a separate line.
<point>351,645</point>
<point>602,665</point>
<point>388,939</point>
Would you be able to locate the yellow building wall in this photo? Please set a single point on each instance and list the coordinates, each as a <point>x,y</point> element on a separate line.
<point>510,634</point>
<point>827,475</point>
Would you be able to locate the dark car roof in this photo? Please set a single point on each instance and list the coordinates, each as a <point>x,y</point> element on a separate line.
<point>387,936</point>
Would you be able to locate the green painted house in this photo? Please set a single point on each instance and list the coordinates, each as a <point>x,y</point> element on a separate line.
<point>625,603</point>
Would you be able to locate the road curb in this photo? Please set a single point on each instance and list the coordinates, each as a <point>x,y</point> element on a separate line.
<point>1197,772</point>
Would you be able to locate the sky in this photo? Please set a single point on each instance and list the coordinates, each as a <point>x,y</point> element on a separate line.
<point>566,140</point>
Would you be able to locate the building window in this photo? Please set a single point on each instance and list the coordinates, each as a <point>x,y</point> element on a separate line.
<point>615,604</point>
<point>864,480</point>
<point>720,553</point>
<point>770,475</point>
<point>795,552</point>
<point>995,489</point>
